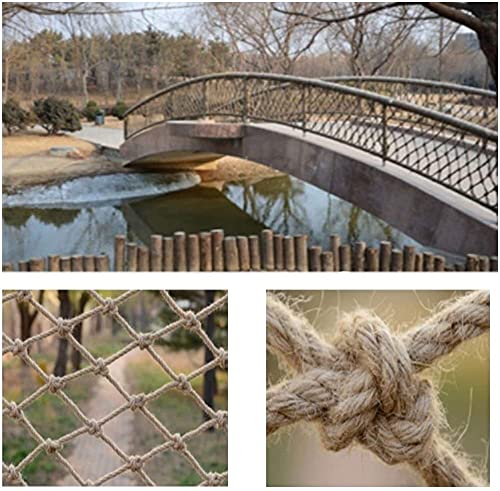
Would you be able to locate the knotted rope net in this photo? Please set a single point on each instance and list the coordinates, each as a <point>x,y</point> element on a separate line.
<point>366,385</point>
<point>99,367</point>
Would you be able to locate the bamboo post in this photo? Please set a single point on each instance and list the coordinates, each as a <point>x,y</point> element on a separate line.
<point>439,263</point>
<point>254,245</point>
<point>102,263</point>
<point>345,257</point>
<point>327,261</point>
<point>385,255</point>
<point>206,251</point>
<point>120,253</point>
<point>168,254</point>
<point>37,264</point>
<point>180,262</point>
<point>143,258</point>
<point>289,253</point>
<point>335,243</point>
<point>132,256</point>
<point>359,256</point>
<point>372,261</point>
<point>76,263</point>
<point>279,261</point>
<point>65,264</point>
<point>268,249</point>
<point>314,253</point>
<point>396,260</point>
<point>409,258</point>
<point>301,252</point>
<point>243,252</point>
<point>472,262</point>
<point>193,252</point>
<point>231,254</point>
<point>156,246</point>
<point>428,261</point>
<point>89,263</point>
<point>54,263</point>
<point>217,250</point>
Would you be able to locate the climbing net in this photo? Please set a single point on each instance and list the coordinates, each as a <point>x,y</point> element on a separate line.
<point>63,328</point>
<point>366,386</point>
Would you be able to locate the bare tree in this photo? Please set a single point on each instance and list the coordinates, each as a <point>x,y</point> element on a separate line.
<point>480,17</point>
<point>262,39</point>
<point>28,316</point>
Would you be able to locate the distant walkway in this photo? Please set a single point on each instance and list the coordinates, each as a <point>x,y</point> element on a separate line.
<point>104,137</point>
<point>91,457</point>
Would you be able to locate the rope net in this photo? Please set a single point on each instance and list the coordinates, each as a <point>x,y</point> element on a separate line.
<point>99,367</point>
<point>366,387</point>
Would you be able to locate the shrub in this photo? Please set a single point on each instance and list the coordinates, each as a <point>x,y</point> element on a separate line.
<point>56,115</point>
<point>119,109</point>
<point>90,110</point>
<point>14,117</point>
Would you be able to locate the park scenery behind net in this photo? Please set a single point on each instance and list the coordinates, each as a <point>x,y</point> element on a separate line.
<point>114,388</point>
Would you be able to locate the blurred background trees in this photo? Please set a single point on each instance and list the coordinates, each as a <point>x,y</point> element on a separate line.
<point>112,52</point>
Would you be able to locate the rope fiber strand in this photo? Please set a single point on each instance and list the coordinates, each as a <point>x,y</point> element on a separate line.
<point>366,387</point>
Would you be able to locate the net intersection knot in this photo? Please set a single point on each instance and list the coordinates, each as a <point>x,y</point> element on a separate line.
<point>365,386</point>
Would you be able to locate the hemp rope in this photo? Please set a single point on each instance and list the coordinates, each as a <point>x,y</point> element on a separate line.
<point>365,386</point>
<point>134,402</point>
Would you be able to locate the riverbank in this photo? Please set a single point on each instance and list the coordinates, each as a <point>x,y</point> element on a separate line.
<point>28,160</point>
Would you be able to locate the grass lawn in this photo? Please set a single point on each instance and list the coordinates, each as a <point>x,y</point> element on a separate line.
<point>48,414</point>
<point>180,415</point>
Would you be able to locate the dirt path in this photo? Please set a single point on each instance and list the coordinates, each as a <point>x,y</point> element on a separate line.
<point>90,456</point>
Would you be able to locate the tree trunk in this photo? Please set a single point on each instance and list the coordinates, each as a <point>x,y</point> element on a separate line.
<point>76,356</point>
<point>209,380</point>
<point>62,352</point>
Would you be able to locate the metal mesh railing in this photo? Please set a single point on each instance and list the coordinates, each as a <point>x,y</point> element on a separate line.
<point>99,367</point>
<point>457,154</point>
<point>471,104</point>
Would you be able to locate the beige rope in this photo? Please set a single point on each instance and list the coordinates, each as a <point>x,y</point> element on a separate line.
<point>365,386</point>
<point>134,402</point>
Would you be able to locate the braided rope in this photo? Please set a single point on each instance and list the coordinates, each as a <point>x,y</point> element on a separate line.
<point>134,402</point>
<point>365,386</point>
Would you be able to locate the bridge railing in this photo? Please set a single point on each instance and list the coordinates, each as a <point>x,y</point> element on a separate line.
<point>471,104</point>
<point>457,154</point>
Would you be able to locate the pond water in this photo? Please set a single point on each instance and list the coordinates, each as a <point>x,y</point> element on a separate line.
<point>83,216</point>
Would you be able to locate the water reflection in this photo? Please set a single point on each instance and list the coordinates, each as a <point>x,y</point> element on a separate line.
<point>282,203</point>
<point>290,206</point>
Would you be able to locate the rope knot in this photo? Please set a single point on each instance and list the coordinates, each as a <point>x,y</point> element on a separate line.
<point>178,443</point>
<point>55,383</point>
<point>13,410</point>
<point>182,382</point>
<point>18,347</point>
<point>100,367</point>
<point>192,323</point>
<point>63,327</point>
<point>222,358</point>
<point>221,420</point>
<point>375,396</point>
<point>94,427</point>
<point>11,474</point>
<point>109,307</point>
<point>144,340</point>
<point>24,296</point>
<point>51,446</point>
<point>214,479</point>
<point>136,401</point>
<point>135,463</point>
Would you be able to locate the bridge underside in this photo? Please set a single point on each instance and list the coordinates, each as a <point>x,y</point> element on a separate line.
<point>426,211</point>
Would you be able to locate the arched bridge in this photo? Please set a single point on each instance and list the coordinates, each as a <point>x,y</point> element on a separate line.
<point>430,174</point>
